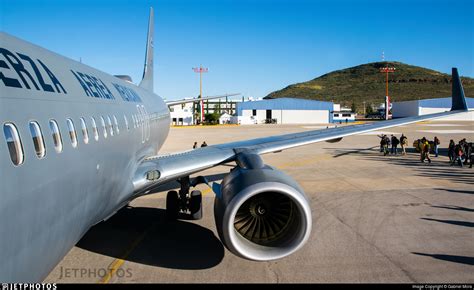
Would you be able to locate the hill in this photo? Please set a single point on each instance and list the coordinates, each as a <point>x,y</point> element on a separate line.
<point>365,83</point>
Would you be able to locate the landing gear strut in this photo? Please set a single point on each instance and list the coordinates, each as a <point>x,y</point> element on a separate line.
<point>184,203</point>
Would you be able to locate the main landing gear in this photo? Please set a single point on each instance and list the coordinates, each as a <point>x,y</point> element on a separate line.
<point>184,202</point>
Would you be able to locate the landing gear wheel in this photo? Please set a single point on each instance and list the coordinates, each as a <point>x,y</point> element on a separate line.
<point>195,205</point>
<point>172,203</point>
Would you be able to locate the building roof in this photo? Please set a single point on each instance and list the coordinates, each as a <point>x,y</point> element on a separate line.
<point>438,103</point>
<point>284,104</point>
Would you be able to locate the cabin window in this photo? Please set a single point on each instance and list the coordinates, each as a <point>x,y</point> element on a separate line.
<point>14,144</point>
<point>117,129</point>
<point>147,123</point>
<point>336,115</point>
<point>126,123</point>
<point>94,129</point>
<point>72,132</point>
<point>346,115</point>
<point>57,140</point>
<point>38,140</point>
<point>85,133</point>
<point>109,125</point>
<point>102,123</point>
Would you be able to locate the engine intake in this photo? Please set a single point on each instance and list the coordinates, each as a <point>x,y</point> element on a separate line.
<point>261,213</point>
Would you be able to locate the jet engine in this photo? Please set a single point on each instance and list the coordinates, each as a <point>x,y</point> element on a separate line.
<point>261,213</point>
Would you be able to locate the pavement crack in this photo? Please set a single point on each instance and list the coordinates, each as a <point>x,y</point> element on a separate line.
<point>273,271</point>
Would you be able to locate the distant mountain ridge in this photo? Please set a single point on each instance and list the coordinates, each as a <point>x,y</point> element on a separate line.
<point>365,83</point>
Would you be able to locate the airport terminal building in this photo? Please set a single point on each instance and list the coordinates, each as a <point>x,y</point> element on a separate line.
<point>284,111</point>
<point>430,106</point>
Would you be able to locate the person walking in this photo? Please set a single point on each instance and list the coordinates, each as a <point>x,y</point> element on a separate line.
<point>395,143</point>
<point>471,154</point>
<point>436,145</point>
<point>426,152</point>
<point>451,153</point>
<point>466,151</point>
<point>403,143</point>
<point>387,143</point>
<point>458,150</point>
<point>195,145</point>
<point>382,142</point>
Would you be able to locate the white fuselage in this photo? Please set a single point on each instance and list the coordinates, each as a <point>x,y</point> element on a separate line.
<point>47,203</point>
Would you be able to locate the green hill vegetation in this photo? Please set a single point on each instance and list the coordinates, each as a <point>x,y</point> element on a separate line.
<point>365,83</point>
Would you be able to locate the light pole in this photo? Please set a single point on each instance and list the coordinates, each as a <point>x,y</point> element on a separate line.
<point>387,70</point>
<point>201,70</point>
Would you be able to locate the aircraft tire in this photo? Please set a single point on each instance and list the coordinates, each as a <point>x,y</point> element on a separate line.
<point>172,205</point>
<point>195,205</point>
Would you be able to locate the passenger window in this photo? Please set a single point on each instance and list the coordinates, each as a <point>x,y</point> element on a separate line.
<point>102,122</point>
<point>72,133</point>
<point>85,133</point>
<point>109,125</point>
<point>139,120</point>
<point>94,129</point>
<point>58,142</point>
<point>126,123</point>
<point>134,122</point>
<point>38,141</point>
<point>117,129</point>
<point>14,143</point>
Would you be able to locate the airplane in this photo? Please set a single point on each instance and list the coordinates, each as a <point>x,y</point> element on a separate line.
<point>79,144</point>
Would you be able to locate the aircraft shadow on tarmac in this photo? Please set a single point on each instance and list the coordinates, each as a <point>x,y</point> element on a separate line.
<point>143,235</point>
<point>456,190</point>
<point>343,152</point>
<point>454,207</point>
<point>450,258</point>
<point>451,222</point>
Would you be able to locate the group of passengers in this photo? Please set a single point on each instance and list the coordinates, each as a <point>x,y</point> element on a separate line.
<point>461,153</point>
<point>424,146</point>
<point>385,142</point>
<point>195,145</point>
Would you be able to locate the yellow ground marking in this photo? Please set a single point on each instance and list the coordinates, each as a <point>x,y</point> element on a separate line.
<point>117,263</point>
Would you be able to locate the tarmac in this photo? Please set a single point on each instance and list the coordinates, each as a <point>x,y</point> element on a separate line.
<point>375,218</point>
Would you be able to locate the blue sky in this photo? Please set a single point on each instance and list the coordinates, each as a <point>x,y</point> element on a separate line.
<point>252,47</point>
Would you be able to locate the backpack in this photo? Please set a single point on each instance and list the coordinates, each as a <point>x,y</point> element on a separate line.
<point>426,148</point>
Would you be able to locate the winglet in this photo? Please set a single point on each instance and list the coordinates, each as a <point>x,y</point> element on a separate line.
<point>458,98</point>
<point>147,81</point>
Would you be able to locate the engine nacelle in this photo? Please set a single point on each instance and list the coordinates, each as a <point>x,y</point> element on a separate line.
<point>334,140</point>
<point>261,213</point>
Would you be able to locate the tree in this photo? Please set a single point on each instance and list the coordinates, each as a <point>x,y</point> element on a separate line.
<point>353,107</point>
<point>212,118</point>
<point>368,109</point>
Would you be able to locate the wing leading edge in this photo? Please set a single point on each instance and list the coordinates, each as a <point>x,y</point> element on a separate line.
<point>172,166</point>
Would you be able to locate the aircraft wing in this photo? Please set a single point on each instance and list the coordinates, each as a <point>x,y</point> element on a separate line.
<point>184,101</point>
<point>157,170</point>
